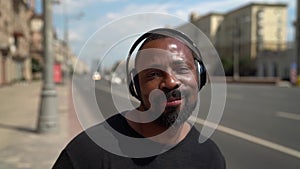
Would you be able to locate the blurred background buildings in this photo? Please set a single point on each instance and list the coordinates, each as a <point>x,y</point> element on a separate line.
<point>251,40</point>
<point>21,45</point>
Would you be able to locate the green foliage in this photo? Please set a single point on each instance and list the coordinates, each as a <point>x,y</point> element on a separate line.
<point>227,65</point>
<point>247,66</point>
<point>36,66</point>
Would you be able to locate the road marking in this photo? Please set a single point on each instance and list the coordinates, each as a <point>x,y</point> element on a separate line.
<point>287,115</point>
<point>236,133</point>
<point>234,96</point>
<point>251,138</point>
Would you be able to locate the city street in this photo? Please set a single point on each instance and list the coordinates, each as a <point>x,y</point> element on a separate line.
<point>259,127</point>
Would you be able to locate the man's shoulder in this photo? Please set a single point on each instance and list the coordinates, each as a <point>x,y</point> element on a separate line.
<point>86,139</point>
<point>81,144</point>
<point>89,138</point>
<point>204,149</point>
<point>198,143</point>
<point>195,138</point>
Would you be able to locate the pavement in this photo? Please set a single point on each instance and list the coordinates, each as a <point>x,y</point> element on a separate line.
<point>21,147</point>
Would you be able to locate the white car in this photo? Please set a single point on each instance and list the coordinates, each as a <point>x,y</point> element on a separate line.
<point>116,80</point>
<point>96,76</point>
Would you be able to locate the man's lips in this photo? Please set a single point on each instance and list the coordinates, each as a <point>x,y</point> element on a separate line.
<point>171,99</point>
<point>173,103</point>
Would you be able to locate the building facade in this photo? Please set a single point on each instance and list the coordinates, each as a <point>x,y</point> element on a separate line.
<point>209,24</point>
<point>15,37</point>
<point>254,28</point>
<point>278,64</point>
<point>36,47</point>
<point>21,44</point>
<point>246,31</point>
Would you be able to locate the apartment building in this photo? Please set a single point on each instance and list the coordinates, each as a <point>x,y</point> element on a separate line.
<point>253,28</point>
<point>209,24</point>
<point>15,62</point>
<point>246,31</point>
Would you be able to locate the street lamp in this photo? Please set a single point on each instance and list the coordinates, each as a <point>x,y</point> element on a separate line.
<point>66,37</point>
<point>236,52</point>
<point>297,24</point>
<point>48,117</point>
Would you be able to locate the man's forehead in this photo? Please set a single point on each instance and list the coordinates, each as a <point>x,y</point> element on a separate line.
<point>160,59</point>
<point>164,48</point>
<point>166,43</point>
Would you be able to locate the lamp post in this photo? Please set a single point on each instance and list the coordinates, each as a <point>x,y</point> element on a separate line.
<point>297,25</point>
<point>48,117</point>
<point>236,52</point>
<point>67,19</point>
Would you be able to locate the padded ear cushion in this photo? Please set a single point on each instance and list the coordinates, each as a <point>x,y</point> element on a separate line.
<point>202,74</point>
<point>134,86</point>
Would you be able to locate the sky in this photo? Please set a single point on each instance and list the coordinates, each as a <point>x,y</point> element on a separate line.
<point>95,23</point>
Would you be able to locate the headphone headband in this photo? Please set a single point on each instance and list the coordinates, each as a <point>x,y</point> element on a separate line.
<point>167,32</point>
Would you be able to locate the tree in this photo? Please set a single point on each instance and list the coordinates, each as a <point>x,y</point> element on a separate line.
<point>227,65</point>
<point>247,66</point>
<point>36,66</point>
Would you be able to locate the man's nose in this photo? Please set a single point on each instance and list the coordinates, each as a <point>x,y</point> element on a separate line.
<point>170,82</point>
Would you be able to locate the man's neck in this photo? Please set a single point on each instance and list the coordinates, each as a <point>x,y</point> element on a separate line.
<point>161,134</point>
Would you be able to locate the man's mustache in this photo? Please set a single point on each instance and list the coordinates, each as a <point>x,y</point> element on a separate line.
<point>172,94</point>
<point>176,93</point>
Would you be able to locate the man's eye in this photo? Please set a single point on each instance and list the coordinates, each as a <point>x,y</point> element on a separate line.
<point>153,74</point>
<point>182,69</point>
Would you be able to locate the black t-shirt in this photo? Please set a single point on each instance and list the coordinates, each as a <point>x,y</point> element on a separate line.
<point>83,153</point>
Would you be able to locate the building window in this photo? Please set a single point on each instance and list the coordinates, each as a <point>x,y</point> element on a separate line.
<point>279,20</point>
<point>16,41</point>
<point>265,70</point>
<point>260,14</point>
<point>278,32</point>
<point>275,69</point>
<point>277,12</point>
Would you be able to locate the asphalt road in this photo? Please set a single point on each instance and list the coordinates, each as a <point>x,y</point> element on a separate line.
<point>260,127</point>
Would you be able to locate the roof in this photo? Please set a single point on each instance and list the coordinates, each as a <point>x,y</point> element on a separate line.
<point>256,4</point>
<point>209,15</point>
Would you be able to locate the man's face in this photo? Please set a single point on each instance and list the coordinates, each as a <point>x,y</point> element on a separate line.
<point>168,65</point>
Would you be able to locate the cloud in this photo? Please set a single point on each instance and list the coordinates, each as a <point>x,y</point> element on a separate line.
<point>135,8</point>
<point>72,7</point>
<point>75,36</point>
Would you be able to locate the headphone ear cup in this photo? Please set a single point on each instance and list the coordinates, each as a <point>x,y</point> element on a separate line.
<point>134,86</point>
<point>202,74</point>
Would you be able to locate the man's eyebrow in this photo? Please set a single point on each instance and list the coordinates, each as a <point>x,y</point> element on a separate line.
<point>157,66</point>
<point>178,62</point>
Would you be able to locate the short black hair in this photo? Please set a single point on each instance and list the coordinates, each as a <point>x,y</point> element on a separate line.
<point>152,37</point>
<point>155,36</point>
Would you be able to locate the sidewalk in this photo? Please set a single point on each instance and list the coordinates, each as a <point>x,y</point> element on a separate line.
<point>20,146</point>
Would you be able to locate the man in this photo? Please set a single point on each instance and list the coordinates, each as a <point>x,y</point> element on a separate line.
<point>166,80</point>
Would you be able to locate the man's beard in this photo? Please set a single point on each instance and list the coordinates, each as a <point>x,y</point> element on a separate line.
<point>176,116</point>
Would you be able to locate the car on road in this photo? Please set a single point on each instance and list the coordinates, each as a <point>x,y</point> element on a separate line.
<point>96,76</point>
<point>116,80</point>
